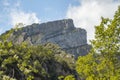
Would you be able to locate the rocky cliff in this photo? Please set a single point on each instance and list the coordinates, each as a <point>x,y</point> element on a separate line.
<point>62,32</point>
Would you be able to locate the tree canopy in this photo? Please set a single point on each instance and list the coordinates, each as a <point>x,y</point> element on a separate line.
<point>103,62</point>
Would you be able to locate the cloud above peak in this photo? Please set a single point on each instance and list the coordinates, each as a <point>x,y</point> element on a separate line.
<point>18,16</point>
<point>88,13</point>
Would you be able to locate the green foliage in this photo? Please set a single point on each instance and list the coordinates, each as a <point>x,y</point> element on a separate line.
<point>6,35</point>
<point>22,61</point>
<point>60,77</point>
<point>103,62</point>
<point>47,62</point>
<point>86,66</point>
<point>7,78</point>
<point>61,55</point>
<point>69,77</point>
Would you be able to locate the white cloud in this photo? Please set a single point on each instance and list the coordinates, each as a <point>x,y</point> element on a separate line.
<point>18,16</point>
<point>89,12</point>
<point>9,3</point>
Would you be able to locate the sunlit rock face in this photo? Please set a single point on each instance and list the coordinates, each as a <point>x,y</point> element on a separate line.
<point>62,32</point>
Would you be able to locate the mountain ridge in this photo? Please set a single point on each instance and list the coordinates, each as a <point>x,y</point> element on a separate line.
<point>61,32</point>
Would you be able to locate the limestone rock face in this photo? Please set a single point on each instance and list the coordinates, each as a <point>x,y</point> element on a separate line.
<point>62,32</point>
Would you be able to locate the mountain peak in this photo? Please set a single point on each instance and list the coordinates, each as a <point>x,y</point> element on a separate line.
<point>62,32</point>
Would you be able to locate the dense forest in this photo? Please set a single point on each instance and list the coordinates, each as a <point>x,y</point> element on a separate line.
<point>49,62</point>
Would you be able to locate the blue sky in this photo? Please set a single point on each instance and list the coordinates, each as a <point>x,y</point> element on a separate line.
<point>48,9</point>
<point>85,13</point>
<point>45,10</point>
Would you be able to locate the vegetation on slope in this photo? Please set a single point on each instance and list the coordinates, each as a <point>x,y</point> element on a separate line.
<point>27,62</point>
<point>48,62</point>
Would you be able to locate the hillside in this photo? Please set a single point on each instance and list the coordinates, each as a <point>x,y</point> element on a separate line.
<point>61,32</point>
<point>28,54</point>
<point>54,51</point>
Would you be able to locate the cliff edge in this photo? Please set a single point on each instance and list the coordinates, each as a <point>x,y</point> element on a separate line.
<point>62,32</point>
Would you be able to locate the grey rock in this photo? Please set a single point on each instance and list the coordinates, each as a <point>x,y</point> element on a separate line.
<point>62,32</point>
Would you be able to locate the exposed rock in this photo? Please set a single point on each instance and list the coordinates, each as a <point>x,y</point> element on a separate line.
<point>62,32</point>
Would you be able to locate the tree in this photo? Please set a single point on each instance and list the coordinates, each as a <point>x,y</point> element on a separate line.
<point>28,62</point>
<point>103,62</point>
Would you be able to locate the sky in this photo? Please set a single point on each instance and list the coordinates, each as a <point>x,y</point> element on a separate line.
<point>85,13</point>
